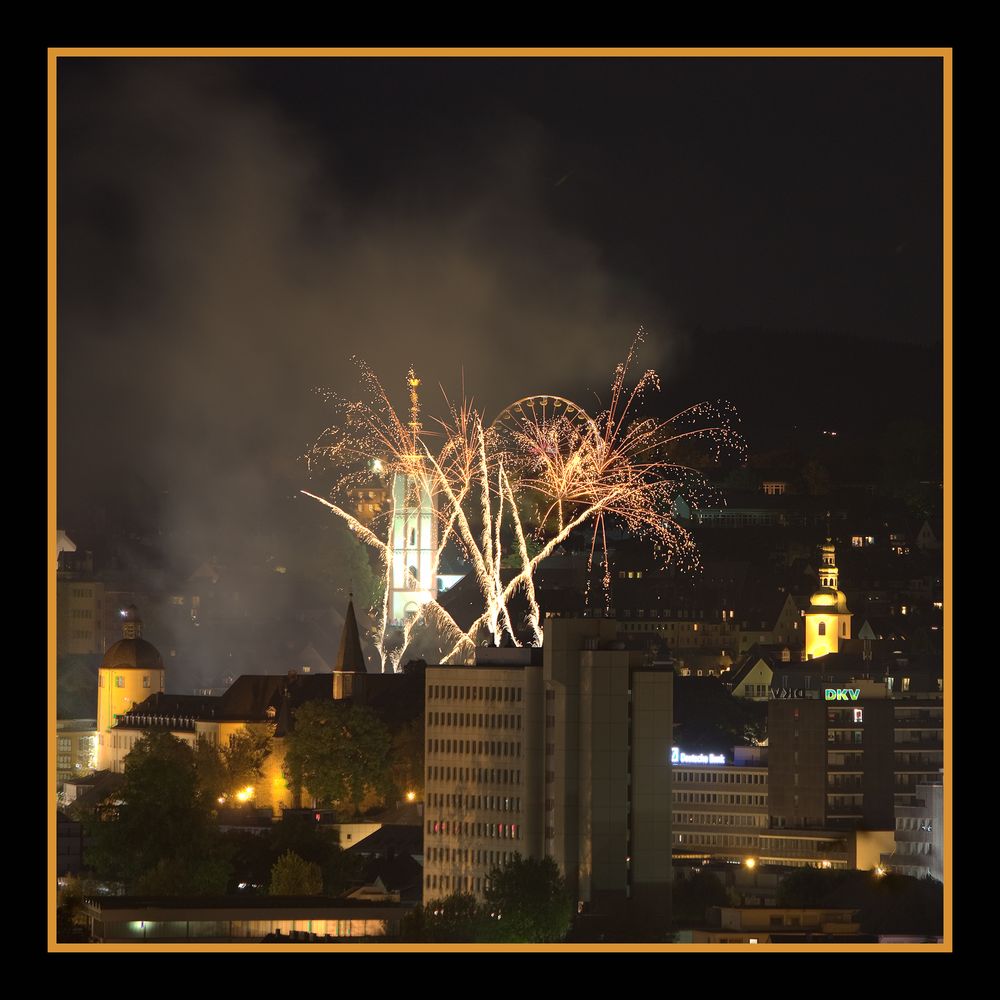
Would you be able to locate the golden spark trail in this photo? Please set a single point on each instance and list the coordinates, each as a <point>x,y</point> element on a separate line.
<point>570,468</point>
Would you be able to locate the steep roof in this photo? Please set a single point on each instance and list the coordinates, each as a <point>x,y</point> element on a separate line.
<point>350,655</point>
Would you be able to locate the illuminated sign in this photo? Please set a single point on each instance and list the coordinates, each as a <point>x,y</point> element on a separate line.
<point>678,757</point>
<point>842,694</point>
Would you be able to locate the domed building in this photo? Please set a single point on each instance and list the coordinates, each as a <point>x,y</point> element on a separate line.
<point>828,620</point>
<point>132,670</point>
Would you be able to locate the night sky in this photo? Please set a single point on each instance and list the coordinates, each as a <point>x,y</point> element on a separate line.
<point>231,231</point>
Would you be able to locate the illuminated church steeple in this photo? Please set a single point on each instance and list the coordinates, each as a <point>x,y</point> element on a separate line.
<point>828,620</point>
<point>414,526</point>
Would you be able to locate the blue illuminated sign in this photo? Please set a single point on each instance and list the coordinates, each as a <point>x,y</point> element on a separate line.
<point>677,756</point>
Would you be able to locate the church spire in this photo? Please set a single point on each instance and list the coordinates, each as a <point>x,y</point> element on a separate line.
<point>414,384</point>
<point>350,656</point>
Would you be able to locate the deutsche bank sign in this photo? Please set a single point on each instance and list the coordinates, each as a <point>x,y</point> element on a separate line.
<point>677,757</point>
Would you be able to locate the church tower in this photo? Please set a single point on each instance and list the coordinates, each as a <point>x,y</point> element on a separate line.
<point>132,670</point>
<point>828,621</point>
<point>414,526</point>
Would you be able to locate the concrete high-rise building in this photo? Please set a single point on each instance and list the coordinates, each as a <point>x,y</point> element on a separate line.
<point>566,756</point>
<point>483,765</point>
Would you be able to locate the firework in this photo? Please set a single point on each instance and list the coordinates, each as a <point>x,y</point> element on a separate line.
<point>543,454</point>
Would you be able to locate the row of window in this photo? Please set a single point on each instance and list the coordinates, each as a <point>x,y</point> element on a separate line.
<point>718,839</point>
<point>81,592</point>
<point>120,680</point>
<point>719,819</point>
<point>500,748</point>
<point>466,856</point>
<point>711,798</point>
<point>81,613</point>
<point>462,828</point>
<point>479,775</point>
<point>474,719</point>
<point>472,693</point>
<point>500,803</point>
<point>915,847</point>
<point>467,883</point>
<point>723,778</point>
<point>913,823</point>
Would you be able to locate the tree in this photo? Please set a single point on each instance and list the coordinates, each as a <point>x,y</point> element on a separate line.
<point>223,771</point>
<point>292,876</point>
<point>339,752</point>
<point>254,855</point>
<point>162,823</point>
<point>210,771</point>
<point>71,922</point>
<point>527,898</point>
<point>188,875</point>
<point>245,755</point>
<point>407,757</point>
<point>458,917</point>
<point>692,896</point>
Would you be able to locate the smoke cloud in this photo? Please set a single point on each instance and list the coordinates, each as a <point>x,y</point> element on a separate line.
<point>214,269</point>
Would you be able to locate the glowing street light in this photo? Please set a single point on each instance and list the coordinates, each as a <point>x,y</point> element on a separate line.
<point>751,863</point>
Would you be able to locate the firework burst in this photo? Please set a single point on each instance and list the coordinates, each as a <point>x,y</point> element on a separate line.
<point>543,454</point>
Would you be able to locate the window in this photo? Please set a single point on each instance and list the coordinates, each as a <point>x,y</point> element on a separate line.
<point>822,629</point>
<point>145,680</point>
<point>119,681</point>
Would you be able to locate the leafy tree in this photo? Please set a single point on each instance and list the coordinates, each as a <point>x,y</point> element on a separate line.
<point>293,876</point>
<point>458,917</point>
<point>223,771</point>
<point>339,752</point>
<point>692,896</point>
<point>162,822</point>
<point>527,898</point>
<point>808,886</point>
<point>407,757</point>
<point>210,771</point>
<point>71,923</point>
<point>254,855</point>
<point>187,876</point>
<point>245,755</point>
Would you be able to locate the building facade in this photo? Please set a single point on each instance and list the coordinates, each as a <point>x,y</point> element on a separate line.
<point>483,762</point>
<point>565,756</point>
